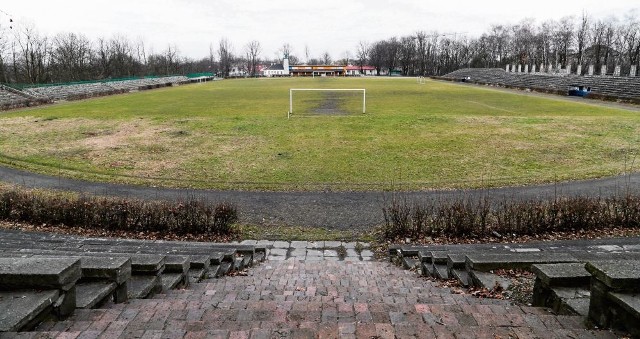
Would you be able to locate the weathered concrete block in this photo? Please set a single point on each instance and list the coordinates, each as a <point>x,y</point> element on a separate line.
<point>116,269</point>
<point>176,264</point>
<point>92,294</point>
<point>455,260</point>
<point>618,275</point>
<point>439,257</point>
<point>22,308</point>
<point>562,274</point>
<point>491,261</point>
<point>41,273</point>
<point>488,280</point>
<point>599,304</point>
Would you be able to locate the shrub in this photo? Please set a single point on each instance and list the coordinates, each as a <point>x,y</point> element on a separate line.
<point>469,218</point>
<point>191,216</point>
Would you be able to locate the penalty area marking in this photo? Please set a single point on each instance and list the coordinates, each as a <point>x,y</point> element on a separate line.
<point>291,90</point>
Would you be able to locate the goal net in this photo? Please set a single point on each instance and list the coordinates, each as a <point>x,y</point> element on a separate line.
<point>326,102</point>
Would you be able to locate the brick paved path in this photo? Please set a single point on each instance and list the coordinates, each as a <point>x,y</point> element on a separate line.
<point>320,298</point>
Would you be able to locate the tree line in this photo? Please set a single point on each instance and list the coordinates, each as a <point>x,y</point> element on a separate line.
<point>26,56</point>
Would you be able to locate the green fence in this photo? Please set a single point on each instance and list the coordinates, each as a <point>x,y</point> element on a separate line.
<point>198,75</point>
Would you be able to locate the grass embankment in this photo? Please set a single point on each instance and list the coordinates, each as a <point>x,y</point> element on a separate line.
<point>235,135</point>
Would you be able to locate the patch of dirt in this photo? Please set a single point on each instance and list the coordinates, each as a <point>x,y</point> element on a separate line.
<point>118,137</point>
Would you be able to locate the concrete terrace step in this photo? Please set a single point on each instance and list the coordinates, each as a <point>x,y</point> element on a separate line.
<point>599,280</point>
<point>91,294</point>
<point>308,294</point>
<point>21,309</point>
<point>21,273</point>
<point>88,273</point>
<point>318,299</point>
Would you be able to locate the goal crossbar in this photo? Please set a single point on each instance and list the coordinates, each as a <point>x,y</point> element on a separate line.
<point>291,90</point>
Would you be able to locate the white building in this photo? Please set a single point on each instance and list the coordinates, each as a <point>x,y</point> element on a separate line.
<point>278,70</point>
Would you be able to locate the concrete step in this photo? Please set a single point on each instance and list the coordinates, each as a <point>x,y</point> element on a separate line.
<point>570,300</point>
<point>427,269</point>
<point>21,310</point>
<point>144,286</point>
<point>215,271</point>
<point>93,294</point>
<point>488,280</point>
<point>492,261</point>
<point>39,273</point>
<point>461,276</point>
<point>224,269</point>
<point>563,274</point>
<point>196,275</point>
<point>238,264</point>
<point>409,263</point>
<point>172,280</point>
<point>440,271</point>
<point>628,307</point>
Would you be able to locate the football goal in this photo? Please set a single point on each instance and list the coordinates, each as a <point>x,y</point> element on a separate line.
<point>326,101</point>
<point>421,80</point>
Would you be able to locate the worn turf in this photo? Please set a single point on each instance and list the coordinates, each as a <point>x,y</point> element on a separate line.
<point>234,134</point>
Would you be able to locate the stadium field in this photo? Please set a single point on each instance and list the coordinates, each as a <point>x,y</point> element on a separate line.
<point>234,134</point>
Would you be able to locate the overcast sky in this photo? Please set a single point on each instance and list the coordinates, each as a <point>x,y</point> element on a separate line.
<point>335,26</point>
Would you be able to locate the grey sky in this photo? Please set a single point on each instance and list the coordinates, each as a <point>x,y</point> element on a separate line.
<point>329,25</point>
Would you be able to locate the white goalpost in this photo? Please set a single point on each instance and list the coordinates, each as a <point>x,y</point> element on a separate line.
<point>421,80</point>
<point>292,90</point>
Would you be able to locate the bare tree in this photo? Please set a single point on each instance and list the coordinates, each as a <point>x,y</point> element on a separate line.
<point>582,35</point>
<point>212,58</point>
<point>141,54</point>
<point>362,53</point>
<point>252,51</point>
<point>32,55</point>
<point>421,52</point>
<point>4,49</point>
<point>376,55</point>
<point>285,50</point>
<point>293,60</point>
<point>225,56</point>
<point>391,49</point>
<point>629,34</point>
<point>71,57</point>
<point>307,53</point>
<point>406,54</point>
<point>326,58</point>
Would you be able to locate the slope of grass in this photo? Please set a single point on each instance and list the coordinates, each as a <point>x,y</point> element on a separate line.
<point>234,134</point>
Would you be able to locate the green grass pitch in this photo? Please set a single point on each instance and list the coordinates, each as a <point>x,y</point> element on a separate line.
<point>234,134</point>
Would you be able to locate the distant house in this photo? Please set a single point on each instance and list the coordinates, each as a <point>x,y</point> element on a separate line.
<point>277,70</point>
<point>237,71</point>
<point>356,70</point>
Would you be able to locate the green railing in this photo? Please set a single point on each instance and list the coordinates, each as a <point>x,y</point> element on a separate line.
<point>198,75</point>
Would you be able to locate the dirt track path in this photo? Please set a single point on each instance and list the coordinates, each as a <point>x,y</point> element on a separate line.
<point>332,210</point>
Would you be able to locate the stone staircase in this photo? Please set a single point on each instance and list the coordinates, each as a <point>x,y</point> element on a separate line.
<point>302,290</point>
<point>597,280</point>
<point>46,276</point>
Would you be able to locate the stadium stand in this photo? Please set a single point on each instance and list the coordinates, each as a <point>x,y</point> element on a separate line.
<point>93,89</point>
<point>602,87</point>
<point>30,96</point>
<point>13,98</point>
